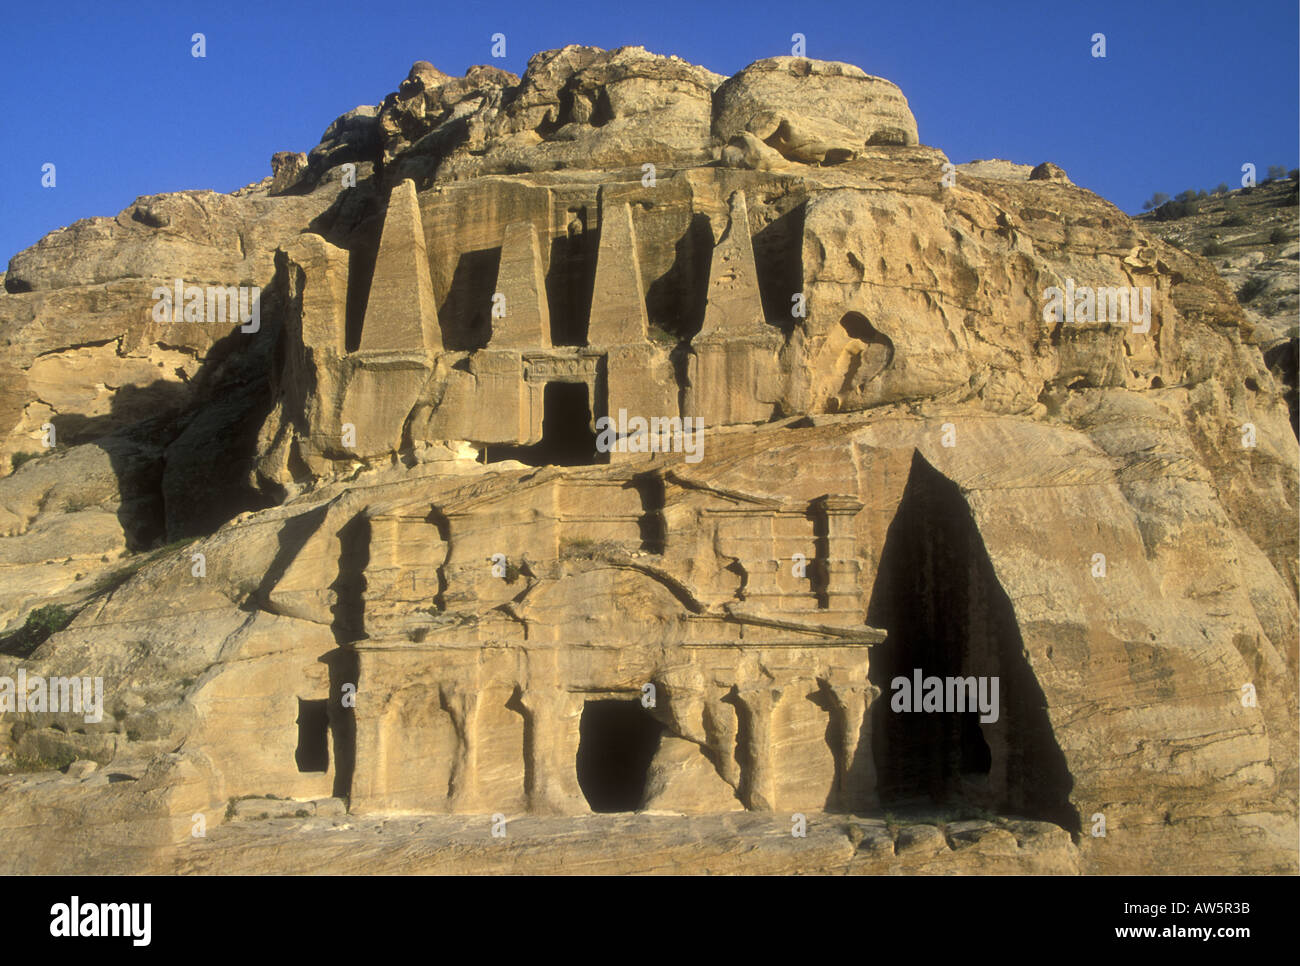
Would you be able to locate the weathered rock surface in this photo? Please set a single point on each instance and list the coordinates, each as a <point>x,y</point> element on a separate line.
<point>744,844</point>
<point>813,111</point>
<point>1249,235</point>
<point>414,587</point>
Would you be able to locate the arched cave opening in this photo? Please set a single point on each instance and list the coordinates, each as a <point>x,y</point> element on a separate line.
<point>568,438</point>
<point>948,618</point>
<point>313,752</point>
<point>616,741</point>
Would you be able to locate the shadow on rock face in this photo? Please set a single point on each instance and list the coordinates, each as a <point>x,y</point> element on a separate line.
<point>184,453</point>
<point>947,615</point>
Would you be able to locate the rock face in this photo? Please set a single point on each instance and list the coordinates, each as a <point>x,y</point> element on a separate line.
<point>1249,235</point>
<point>577,107</point>
<point>813,111</point>
<point>617,438</point>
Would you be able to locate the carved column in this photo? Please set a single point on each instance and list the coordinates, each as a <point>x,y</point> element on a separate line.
<point>461,702</point>
<point>369,782</point>
<point>551,750</point>
<point>720,727</point>
<point>758,779</point>
<point>852,700</point>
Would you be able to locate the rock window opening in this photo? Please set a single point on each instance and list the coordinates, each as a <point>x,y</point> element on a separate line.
<point>617,740</point>
<point>313,736</point>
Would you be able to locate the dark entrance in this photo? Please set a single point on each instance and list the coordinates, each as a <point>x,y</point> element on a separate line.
<point>313,752</point>
<point>567,435</point>
<point>617,740</point>
<point>947,614</point>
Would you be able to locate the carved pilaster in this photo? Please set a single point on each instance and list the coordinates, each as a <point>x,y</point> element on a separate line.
<point>851,700</point>
<point>461,702</point>
<point>837,553</point>
<point>758,780</point>
<point>551,750</point>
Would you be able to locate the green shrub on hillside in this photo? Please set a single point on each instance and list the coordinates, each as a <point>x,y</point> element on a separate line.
<point>40,624</point>
<point>1173,210</point>
<point>1252,288</point>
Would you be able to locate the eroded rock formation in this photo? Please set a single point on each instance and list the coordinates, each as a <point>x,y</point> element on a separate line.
<point>420,579</point>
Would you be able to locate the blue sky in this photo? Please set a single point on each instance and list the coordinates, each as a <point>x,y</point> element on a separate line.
<point>1187,93</point>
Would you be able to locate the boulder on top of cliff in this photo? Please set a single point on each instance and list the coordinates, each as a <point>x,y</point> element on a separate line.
<point>813,111</point>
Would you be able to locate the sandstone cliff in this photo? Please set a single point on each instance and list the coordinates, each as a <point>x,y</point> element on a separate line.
<point>365,559</point>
